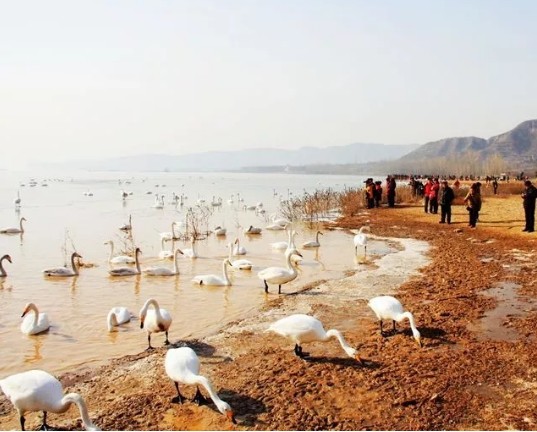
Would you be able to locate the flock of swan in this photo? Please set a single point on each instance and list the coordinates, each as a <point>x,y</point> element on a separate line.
<point>37,390</point>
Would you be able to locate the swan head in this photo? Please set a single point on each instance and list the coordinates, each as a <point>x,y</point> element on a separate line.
<point>417,337</point>
<point>76,255</point>
<point>27,309</point>
<point>23,219</point>
<point>225,409</point>
<point>7,258</point>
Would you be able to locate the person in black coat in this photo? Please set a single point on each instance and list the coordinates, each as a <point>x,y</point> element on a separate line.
<point>445,198</point>
<point>529,196</point>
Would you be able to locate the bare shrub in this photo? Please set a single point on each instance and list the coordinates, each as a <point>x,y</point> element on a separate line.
<point>351,201</point>
<point>197,223</point>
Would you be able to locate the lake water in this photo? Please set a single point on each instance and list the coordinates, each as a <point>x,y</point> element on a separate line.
<point>77,307</point>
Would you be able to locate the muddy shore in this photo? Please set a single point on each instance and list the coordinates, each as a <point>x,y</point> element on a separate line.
<point>473,301</point>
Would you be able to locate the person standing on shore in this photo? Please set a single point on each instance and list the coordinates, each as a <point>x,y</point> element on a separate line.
<point>378,193</point>
<point>390,190</point>
<point>529,196</point>
<point>473,204</point>
<point>433,196</point>
<point>445,198</point>
<point>495,186</point>
<point>427,192</point>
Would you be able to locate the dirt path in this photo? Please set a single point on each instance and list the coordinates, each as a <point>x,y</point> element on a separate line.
<point>477,369</point>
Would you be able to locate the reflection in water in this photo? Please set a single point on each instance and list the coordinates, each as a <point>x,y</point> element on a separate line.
<point>36,354</point>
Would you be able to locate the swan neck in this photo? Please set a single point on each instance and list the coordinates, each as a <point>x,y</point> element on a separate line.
<point>112,320</point>
<point>175,264</point>
<point>20,223</point>
<point>155,305</point>
<point>111,250</point>
<point>290,267</point>
<point>410,317</point>
<point>224,271</point>
<point>337,334</point>
<point>75,398</point>
<point>137,261</point>
<point>2,271</point>
<point>73,265</point>
<point>201,380</point>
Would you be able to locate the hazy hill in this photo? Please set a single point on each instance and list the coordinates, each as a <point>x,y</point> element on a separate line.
<point>239,159</point>
<point>518,147</point>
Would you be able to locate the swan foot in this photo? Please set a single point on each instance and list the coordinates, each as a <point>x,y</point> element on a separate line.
<point>150,348</point>
<point>300,353</point>
<point>199,399</point>
<point>166,342</point>
<point>44,425</point>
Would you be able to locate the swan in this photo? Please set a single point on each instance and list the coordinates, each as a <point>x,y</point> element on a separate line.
<point>118,315</point>
<point>164,271</point>
<point>124,195</point>
<point>238,249</point>
<point>154,320</point>
<point>12,230</point>
<point>388,307</point>
<point>120,259</point>
<point>159,202</point>
<point>279,275</point>
<point>2,271</point>
<point>64,271</point>
<point>279,221</point>
<point>168,236</point>
<point>313,243</point>
<point>34,325</point>
<point>300,329</point>
<point>241,264</point>
<point>191,252</point>
<point>182,365</point>
<point>253,230</point>
<point>214,280</point>
<point>17,201</point>
<point>360,239</point>
<point>275,227</point>
<point>127,226</point>
<point>281,245</point>
<point>127,271</point>
<point>219,231</point>
<point>37,390</point>
<point>164,253</point>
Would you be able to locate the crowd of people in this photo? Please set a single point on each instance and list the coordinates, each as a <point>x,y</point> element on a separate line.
<point>437,194</point>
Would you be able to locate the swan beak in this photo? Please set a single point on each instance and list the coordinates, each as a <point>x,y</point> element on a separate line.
<point>359,360</point>
<point>9,259</point>
<point>142,323</point>
<point>231,416</point>
<point>418,340</point>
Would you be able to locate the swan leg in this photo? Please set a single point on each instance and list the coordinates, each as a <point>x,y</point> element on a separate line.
<point>299,352</point>
<point>44,425</point>
<point>167,342</point>
<point>199,398</point>
<point>394,329</point>
<point>22,421</point>
<point>381,332</point>
<point>149,347</point>
<point>179,398</point>
<point>279,289</point>
<point>365,252</point>
<point>266,286</point>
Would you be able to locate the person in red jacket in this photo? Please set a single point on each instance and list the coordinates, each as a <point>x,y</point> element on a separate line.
<point>433,196</point>
<point>427,192</point>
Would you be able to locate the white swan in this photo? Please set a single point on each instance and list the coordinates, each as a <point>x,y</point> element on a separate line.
<point>313,243</point>
<point>64,271</point>
<point>183,366</point>
<point>220,231</point>
<point>120,259</point>
<point>17,201</point>
<point>159,202</point>
<point>118,315</point>
<point>238,249</point>
<point>164,253</point>
<point>289,244</point>
<point>164,271</point>
<point>2,270</point>
<point>389,308</point>
<point>127,226</point>
<point>127,271</point>
<point>241,264</point>
<point>279,275</point>
<point>279,221</point>
<point>37,390</point>
<point>154,320</point>
<point>12,230</point>
<point>211,279</point>
<point>168,236</point>
<point>302,329</point>
<point>191,252</point>
<point>32,325</point>
<point>275,227</point>
<point>253,230</point>
<point>360,239</point>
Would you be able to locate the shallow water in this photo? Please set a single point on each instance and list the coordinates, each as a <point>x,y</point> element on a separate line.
<point>77,307</point>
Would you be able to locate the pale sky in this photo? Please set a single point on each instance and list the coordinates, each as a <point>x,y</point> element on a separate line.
<point>108,78</point>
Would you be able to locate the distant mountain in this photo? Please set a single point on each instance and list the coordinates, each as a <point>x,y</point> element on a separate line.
<point>518,147</point>
<point>244,159</point>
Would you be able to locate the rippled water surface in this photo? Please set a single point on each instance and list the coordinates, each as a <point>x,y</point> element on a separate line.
<point>62,215</point>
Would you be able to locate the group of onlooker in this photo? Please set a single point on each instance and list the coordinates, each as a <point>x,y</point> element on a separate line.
<point>373,192</point>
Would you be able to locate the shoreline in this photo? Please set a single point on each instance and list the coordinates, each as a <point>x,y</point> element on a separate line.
<point>459,380</point>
